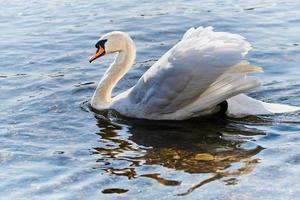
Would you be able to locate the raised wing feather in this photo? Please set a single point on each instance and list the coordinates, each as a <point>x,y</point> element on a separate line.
<point>182,74</point>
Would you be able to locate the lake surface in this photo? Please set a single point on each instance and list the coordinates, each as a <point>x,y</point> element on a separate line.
<point>53,147</point>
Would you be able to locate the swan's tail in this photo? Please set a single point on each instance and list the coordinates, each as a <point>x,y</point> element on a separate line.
<point>243,105</point>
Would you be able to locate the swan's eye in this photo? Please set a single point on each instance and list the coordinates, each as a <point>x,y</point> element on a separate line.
<point>101,43</point>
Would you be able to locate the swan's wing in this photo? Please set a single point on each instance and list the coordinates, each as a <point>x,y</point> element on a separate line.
<point>182,74</point>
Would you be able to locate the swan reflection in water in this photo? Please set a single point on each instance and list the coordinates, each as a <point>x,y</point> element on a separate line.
<point>211,145</point>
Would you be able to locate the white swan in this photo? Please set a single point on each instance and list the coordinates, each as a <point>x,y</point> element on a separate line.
<point>205,72</point>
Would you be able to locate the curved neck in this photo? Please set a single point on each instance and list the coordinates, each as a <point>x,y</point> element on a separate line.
<point>122,63</point>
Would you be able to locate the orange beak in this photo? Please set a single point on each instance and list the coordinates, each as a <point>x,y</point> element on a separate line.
<point>100,52</point>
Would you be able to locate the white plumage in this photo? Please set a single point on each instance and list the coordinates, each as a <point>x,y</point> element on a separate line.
<point>202,70</point>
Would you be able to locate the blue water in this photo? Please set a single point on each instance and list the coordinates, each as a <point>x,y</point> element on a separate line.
<point>53,147</point>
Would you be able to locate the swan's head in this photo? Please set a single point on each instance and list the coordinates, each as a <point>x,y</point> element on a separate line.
<point>115,41</point>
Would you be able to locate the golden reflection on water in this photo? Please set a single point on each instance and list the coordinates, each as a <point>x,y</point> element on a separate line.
<point>212,145</point>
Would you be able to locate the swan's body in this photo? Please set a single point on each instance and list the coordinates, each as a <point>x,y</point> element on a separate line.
<point>201,71</point>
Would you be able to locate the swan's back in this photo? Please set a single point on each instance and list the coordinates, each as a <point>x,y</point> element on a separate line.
<point>199,72</point>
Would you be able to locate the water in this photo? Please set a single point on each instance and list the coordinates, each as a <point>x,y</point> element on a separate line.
<point>53,147</point>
